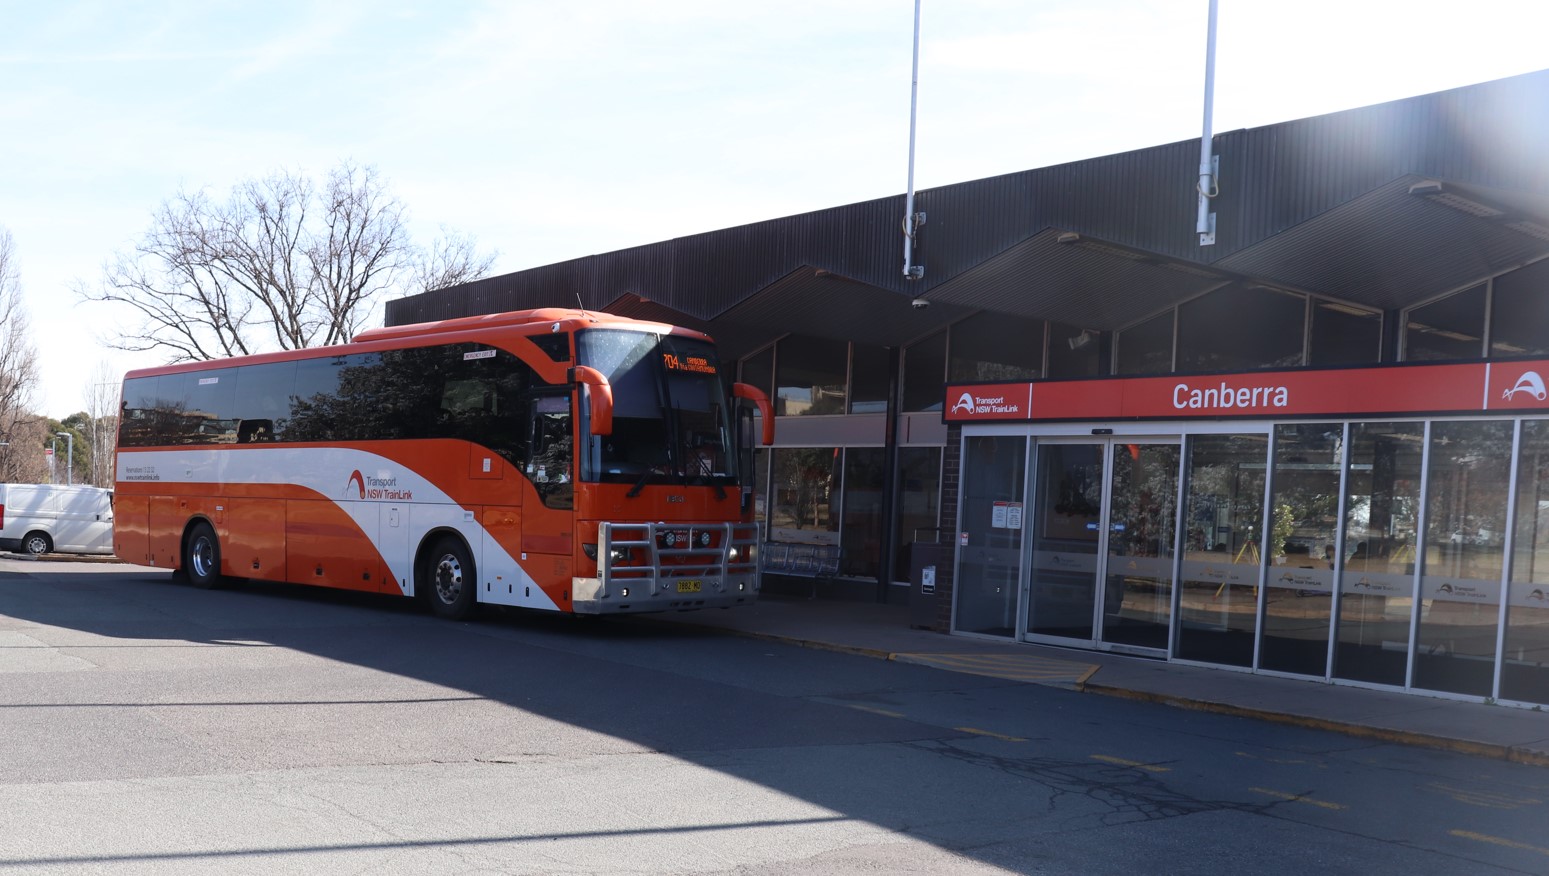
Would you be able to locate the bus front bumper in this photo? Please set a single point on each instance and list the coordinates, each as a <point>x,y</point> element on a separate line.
<point>591,596</point>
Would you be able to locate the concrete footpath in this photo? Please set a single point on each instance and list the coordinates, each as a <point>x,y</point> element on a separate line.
<point>883,632</point>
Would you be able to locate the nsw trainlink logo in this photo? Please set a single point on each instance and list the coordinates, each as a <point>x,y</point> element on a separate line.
<point>1531,383</point>
<point>368,487</point>
<point>968,403</point>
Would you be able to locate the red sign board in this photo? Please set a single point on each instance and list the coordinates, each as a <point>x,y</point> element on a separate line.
<point>1404,389</point>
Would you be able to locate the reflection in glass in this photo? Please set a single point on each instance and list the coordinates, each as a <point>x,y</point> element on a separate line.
<point>1460,584</point>
<point>1519,319</point>
<point>1147,348</point>
<point>919,498</point>
<point>1067,516</point>
<point>1452,328</point>
<point>1224,507</point>
<point>993,346</point>
<point>1241,328</point>
<point>1525,668</point>
<point>1137,591</point>
<point>810,376</point>
<point>925,373</point>
<point>1304,503</point>
<point>1376,580</point>
<point>861,534</point>
<point>805,482</point>
<point>990,562</point>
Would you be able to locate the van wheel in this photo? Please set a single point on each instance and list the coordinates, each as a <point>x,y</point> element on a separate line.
<point>202,557</point>
<point>37,543</point>
<point>447,579</point>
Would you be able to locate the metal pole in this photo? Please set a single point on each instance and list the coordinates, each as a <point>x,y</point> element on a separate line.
<point>69,456</point>
<point>911,221</point>
<point>1206,223</point>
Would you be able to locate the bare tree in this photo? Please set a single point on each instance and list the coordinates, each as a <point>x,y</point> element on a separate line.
<point>282,264</point>
<point>21,457</point>
<point>100,424</point>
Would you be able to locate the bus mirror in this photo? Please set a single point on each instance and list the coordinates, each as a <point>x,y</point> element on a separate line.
<point>601,395</point>
<point>757,397</point>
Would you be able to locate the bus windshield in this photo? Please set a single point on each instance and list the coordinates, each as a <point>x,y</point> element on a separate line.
<point>670,419</point>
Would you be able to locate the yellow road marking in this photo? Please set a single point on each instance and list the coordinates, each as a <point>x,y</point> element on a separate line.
<point>1150,768</point>
<point>1298,798</point>
<point>1498,841</point>
<point>978,732</point>
<point>876,711</point>
<point>1283,761</point>
<point>1483,798</point>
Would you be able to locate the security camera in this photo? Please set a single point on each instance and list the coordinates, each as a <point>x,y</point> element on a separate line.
<point>919,304</point>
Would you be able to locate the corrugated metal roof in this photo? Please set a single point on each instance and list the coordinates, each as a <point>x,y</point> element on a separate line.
<point>1320,204</point>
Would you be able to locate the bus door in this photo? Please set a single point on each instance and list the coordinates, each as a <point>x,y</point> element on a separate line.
<point>548,525</point>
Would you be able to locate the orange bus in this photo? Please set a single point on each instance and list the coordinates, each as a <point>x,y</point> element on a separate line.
<point>549,459</point>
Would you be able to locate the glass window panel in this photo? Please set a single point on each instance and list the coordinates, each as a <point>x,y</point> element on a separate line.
<point>925,371</point>
<point>1073,351</point>
<point>1224,504</point>
<point>1460,583</point>
<point>1519,312</point>
<point>1304,503</point>
<point>865,480</point>
<point>1452,328</point>
<point>1376,575</point>
<point>1344,335</point>
<point>996,347</point>
<point>758,371</point>
<point>806,484</point>
<point>810,376</point>
<point>263,401</point>
<point>1525,665</point>
<point>990,563</point>
<point>1241,328</point>
<point>870,369</point>
<point>919,503</point>
<point>1147,348</point>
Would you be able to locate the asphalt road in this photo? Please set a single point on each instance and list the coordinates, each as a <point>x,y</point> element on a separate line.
<point>149,727</point>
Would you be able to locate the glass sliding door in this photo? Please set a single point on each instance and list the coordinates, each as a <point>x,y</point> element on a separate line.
<point>1376,578</point>
<point>1067,534</point>
<point>1223,536</point>
<point>1141,534</point>
<point>1469,475</point>
<point>1304,521</point>
<point>990,556</point>
<point>1525,664</point>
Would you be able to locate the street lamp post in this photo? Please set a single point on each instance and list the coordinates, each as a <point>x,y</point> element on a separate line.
<point>69,456</point>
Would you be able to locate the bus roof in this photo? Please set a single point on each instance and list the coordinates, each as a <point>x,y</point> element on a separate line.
<point>547,318</point>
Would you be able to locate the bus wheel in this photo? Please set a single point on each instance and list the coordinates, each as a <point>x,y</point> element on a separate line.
<point>37,543</point>
<point>448,579</point>
<point>202,557</point>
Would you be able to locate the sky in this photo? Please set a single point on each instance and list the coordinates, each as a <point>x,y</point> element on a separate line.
<point>550,131</point>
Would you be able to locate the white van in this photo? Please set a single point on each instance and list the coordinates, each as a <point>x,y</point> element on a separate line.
<point>42,518</point>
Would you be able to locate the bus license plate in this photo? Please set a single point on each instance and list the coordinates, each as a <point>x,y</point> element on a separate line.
<point>688,586</point>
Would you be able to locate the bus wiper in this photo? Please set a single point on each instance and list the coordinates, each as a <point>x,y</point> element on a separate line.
<point>639,485</point>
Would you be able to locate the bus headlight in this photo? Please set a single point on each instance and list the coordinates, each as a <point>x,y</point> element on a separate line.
<point>590,550</point>
<point>733,554</point>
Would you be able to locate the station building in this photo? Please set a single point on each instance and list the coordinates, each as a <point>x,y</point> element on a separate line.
<point>1316,447</point>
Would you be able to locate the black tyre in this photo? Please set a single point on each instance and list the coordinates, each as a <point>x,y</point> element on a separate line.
<point>447,579</point>
<point>202,557</point>
<point>37,544</point>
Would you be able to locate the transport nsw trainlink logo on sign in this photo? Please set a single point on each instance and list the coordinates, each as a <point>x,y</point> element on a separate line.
<point>1003,401</point>
<point>1414,389</point>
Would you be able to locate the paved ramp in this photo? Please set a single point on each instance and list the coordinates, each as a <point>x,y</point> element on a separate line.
<point>1011,667</point>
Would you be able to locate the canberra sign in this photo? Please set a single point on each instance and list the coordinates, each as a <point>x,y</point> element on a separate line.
<point>1478,387</point>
